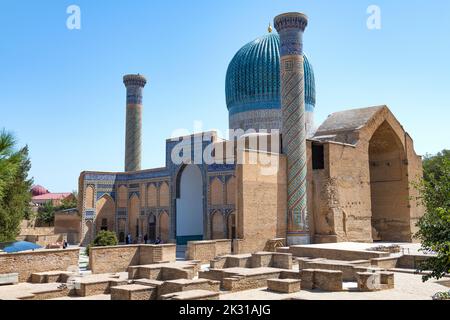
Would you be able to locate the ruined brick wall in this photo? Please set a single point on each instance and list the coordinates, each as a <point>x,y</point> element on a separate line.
<point>66,223</point>
<point>415,174</point>
<point>261,202</point>
<point>26,263</point>
<point>363,193</point>
<point>340,198</point>
<point>348,192</point>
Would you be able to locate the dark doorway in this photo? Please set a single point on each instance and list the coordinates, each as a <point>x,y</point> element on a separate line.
<point>318,157</point>
<point>152,229</point>
<point>104,226</point>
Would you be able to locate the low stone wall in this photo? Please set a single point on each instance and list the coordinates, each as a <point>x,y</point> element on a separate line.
<point>255,260</point>
<point>408,261</point>
<point>207,250</point>
<point>119,258</point>
<point>334,254</point>
<point>27,263</point>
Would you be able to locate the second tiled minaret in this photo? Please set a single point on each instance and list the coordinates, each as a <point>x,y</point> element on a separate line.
<point>135,84</point>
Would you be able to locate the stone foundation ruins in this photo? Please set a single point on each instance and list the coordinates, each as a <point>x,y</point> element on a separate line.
<point>152,272</point>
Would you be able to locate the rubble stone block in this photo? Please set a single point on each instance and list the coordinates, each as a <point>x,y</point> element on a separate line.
<point>132,292</point>
<point>328,280</point>
<point>307,277</point>
<point>283,285</point>
<point>387,280</point>
<point>261,259</point>
<point>282,260</point>
<point>368,281</point>
<point>192,295</point>
<point>290,274</point>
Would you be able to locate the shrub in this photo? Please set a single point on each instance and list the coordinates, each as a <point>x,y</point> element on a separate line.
<point>442,296</point>
<point>103,239</point>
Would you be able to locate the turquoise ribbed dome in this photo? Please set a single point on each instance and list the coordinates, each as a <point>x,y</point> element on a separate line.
<point>253,77</point>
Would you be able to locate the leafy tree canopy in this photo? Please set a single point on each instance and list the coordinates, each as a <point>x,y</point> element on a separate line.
<point>15,186</point>
<point>434,226</point>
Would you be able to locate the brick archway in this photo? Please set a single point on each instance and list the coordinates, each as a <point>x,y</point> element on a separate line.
<point>388,186</point>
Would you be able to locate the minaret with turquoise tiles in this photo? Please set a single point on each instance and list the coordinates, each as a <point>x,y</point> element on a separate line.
<point>290,27</point>
<point>135,84</point>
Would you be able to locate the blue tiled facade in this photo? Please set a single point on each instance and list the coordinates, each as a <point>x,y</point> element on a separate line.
<point>109,184</point>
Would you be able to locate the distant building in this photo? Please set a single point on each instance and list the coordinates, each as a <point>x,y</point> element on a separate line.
<point>41,195</point>
<point>68,222</point>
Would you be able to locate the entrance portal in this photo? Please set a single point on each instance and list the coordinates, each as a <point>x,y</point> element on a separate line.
<point>389,186</point>
<point>189,205</point>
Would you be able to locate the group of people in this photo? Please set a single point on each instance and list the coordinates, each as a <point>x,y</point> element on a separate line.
<point>129,240</point>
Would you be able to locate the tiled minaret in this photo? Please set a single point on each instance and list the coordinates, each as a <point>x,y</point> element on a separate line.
<point>134,83</point>
<point>290,27</point>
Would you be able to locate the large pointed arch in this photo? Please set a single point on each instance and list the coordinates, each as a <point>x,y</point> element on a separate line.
<point>217,226</point>
<point>164,195</point>
<point>89,197</point>
<point>133,217</point>
<point>189,204</point>
<point>216,191</point>
<point>388,186</point>
<point>105,214</point>
<point>152,196</point>
<point>164,226</point>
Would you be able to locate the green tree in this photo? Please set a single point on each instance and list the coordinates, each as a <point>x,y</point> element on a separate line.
<point>15,186</point>
<point>434,226</point>
<point>46,213</point>
<point>70,202</point>
<point>103,239</point>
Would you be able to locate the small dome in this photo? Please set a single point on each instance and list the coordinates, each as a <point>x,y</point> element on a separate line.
<point>253,77</point>
<point>38,190</point>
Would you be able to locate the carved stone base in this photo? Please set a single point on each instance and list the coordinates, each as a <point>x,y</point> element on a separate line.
<point>298,239</point>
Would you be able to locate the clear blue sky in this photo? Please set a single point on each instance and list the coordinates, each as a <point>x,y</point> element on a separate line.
<point>61,90</point>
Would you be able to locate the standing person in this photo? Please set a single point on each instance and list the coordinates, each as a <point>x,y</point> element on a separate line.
<point>145,238</point>
<point>65,244</point>
<point>158,240</point>
<point>128,239</point>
